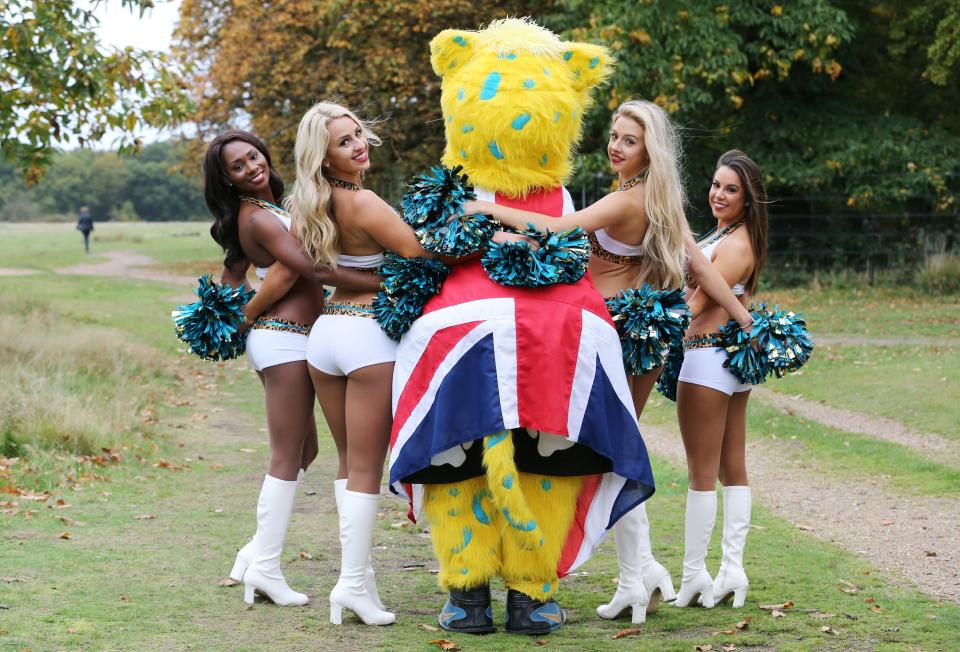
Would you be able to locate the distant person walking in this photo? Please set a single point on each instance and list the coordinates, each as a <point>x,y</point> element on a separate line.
<point>85,226</point>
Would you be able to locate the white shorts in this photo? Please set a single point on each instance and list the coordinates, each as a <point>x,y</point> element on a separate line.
<point>267,348</point>
<point>705,367</point>
<point>341,344</point>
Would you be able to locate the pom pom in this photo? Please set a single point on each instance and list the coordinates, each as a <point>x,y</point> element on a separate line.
<point>210,326</point>
<point>408,283</point>
<point>667,383</point>
<point>433,206</point>
<point>559,257</point>
<point>783,345</point>
<point>650,322</point>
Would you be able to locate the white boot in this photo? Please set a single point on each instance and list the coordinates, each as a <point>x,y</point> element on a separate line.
<point>700,517</point>
<point>273,515</point>
<point>731,578</point>
<point>643,581</point>
<point>246,554</point>
<point>339,486</point>
<point>358,515</point>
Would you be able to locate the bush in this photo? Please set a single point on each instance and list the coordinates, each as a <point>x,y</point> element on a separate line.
<point>940,275</point>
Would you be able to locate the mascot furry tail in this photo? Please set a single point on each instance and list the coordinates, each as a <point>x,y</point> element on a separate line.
<point>503,481</point>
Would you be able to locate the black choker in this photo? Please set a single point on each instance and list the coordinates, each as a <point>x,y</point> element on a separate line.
<point>346,185</point>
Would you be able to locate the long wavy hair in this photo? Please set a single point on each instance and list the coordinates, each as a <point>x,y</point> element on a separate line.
<point>222,197</point>
<point>309,202</point>
<point>664,253</point>
<point>754,208</point>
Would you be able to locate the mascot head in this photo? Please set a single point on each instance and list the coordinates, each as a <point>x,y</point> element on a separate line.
<point>513,99</point>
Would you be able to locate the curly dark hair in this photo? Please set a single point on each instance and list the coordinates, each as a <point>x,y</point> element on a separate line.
<point>222,199</point>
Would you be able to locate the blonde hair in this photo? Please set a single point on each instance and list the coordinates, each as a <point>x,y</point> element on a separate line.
<point>664,253</point>
<point>309,202</point>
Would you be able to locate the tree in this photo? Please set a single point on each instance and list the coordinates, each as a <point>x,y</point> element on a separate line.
<point>261,66</point>
<point>59,86</point>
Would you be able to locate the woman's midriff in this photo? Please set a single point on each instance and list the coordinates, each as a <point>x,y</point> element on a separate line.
<point>711,319</point>
<point>352,296</point>
<point>302,303</point>
<point>609,278</point>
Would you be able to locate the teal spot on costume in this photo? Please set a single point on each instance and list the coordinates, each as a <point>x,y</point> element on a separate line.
<point>529,83</point>
<point>467,537</point>
<point>467,129</point>
<point>594,62</point>
<point>543,160</point>
<point>520,121</point>
<point>449,119</point>
<point>576,74</point>
<point>477,507</point>
<point>556,116</point>
<point>529,526</point>
<point>463,153</point>
<point>459,40</point>
<point>508,481</point>
<point>454,491</point>
<point>567,55</point>
<point>493,440</point>
<point>547,586</point>
<point>453,512</point>
<point>546,72</point>
<point>509,56</point>
<point>453,64</point>
<point>546,484</point>
<point>490,86</point>
<point>460,94</point>
<point>464,571</point>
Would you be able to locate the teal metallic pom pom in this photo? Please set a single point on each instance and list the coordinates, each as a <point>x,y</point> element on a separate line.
<point>408,283</point>
<point>559,257</point>
<point>783,345</point>
<point>649,323</point>
<point>667,383</point>
<point>210,326</point>
<point>433,206</point>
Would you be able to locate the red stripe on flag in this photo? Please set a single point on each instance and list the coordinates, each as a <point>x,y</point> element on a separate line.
<point>577,532</point>
<point>545,202</point>
<point>437,349</point>
<point>548,342</point>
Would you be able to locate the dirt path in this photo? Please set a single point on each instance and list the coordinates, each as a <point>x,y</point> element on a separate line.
<point>126,264</point>
<point>935,447</point>
<point>913,538</point>
<point>17,271</point>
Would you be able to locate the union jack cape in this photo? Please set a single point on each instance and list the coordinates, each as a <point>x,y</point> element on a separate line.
<point>484,358</point>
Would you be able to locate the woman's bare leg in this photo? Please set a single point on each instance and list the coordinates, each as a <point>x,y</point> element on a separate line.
<point>702,413</point>
<point>289,398</point>
<point>368,418</point>
<point>733,463</point>
<point>332,395</point>
<point>641,386</point>
<point>311,447</point>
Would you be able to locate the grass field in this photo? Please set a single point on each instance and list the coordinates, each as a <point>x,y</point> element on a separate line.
<point>131,557</point>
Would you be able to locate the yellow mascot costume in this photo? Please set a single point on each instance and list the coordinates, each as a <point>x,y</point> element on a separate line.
<point>514,427</point>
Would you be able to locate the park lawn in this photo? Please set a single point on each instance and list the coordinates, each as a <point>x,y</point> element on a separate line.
<point>872,312</point>
<point>150,535</point>
<point>915,385</point>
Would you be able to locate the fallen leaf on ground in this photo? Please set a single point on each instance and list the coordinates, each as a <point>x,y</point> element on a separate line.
<point>931,553</point>
<point>541,641</point>
<point>776,613</point>
<point>445,644</point>
<point>728,647</point>
<point>875,608</point>
<point>399,525</point>
<point>703,648</point>
<point>248,450</point>
<point>745,623</point>
<point>870,600</point>
<point>887,521</point>
<point>805,528</point>
<point>828,630</point>
<point>72,630</point>
<point>66,520</point>
<point>427,628</point>
<point>629,631</point>
<point>785,605</point>
<point>726,632</point>
<point>66,535</point>
<point>229,581</point>
<point>60,504</point>
<point>146,517</point>
<point>310,492</point>
<point>305,555</point>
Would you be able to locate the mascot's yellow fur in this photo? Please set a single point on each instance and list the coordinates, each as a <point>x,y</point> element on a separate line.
<point>513,98</point>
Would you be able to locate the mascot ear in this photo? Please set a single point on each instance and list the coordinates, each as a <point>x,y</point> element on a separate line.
<point>450,49</point>
<point>590,64</point>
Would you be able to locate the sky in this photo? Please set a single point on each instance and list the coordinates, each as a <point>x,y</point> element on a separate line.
<point>120,27</point>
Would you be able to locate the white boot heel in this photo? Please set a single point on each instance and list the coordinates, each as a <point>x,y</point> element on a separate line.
<point>731,578</point>
<point>370,579</point>
<point>242,562</point>
<point>249,593</point>
<point>358,516</point>
<point>700,516</point>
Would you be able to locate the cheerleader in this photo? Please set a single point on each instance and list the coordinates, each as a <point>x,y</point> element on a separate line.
<point>351,360</point>
<point>638,235</point>
<point>711,403</point>
<point>241,189</point>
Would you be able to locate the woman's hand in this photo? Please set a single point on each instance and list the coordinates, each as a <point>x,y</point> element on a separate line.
<point>477,207</point>
<point>503,236</point>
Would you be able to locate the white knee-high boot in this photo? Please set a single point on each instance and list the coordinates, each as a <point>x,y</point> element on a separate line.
<point>273,515</point>
<point>731,578</point>
<point>643,580</point>
<point>246,554</point>
<point>700,517</point>
<point>339,486</point>
<point>358,515</point>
